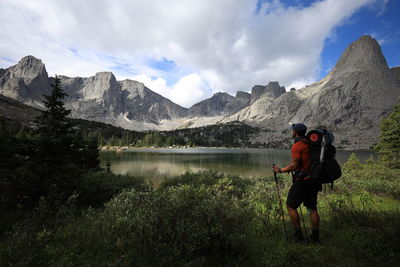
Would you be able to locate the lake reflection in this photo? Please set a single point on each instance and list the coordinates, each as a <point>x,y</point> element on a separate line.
<point>157,164</point>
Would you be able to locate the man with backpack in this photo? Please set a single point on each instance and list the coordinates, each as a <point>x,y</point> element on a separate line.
<point>304,190</point>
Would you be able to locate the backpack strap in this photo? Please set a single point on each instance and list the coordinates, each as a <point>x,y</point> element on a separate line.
<point>300,139</point>
<point>304,141</point>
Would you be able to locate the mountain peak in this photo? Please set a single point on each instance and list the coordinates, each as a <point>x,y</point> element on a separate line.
<point>99,85</point>
<point>30,60</point>
<point>244,95</point>
<point>221,94</point>
<point>105,75</point>
<point>26,81</point>
<point>364,54</point>
<point>272,90</point>
<point>29,67</point>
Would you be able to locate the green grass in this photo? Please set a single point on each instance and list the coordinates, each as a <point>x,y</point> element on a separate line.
<point>211,219</point>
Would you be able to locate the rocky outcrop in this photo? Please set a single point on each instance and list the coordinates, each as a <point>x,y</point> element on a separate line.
<point>242,100</point>
<point>122,103</point>
<point>71,86</point>
<point>26,81</point>
<point>142,104</point>
<point>220,104</point>
<point>272,90</point>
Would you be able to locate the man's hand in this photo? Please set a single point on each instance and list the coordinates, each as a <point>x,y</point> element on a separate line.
<point>276,169</point>
<point>291,167</point>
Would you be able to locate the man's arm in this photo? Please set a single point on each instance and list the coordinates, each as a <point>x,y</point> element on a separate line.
<point>291,167</point>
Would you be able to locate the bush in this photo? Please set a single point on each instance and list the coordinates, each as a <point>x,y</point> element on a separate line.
<point>231,184</point>
<point>375,177</point>
<point>96,188</point>
<point>210,219</point>
<point>352,165</point>
<point>176,226</point>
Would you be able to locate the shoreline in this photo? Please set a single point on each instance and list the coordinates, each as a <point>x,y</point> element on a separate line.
<point>127,148</point>
<point>131,148</point>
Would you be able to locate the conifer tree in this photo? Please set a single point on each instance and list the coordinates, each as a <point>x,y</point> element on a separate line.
<point>60,143</point>
<point>388,146</point>
<point>53,122</point>
<point>62,153</point>
<point>54,131</point>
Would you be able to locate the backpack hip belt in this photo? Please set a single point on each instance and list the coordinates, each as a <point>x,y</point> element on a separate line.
<point>299,175</point>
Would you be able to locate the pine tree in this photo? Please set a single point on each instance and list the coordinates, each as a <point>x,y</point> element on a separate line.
<point>60,143</point>
<point>388,146</point>
<point>55,133</point>
<point>53,122</point>
<point>62,152</point>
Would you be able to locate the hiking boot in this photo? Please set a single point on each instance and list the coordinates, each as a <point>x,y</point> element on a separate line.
<point>298,235</point>
<point>314,237</point>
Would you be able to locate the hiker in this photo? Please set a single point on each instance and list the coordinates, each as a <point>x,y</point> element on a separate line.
<point>303,190</point>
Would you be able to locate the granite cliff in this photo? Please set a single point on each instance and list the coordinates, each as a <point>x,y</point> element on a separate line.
<point>352,99</point>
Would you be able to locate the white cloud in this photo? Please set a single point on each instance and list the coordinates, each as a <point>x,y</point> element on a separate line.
<point>188,90</point>
<point>158,85</point>
<point>218,45</point>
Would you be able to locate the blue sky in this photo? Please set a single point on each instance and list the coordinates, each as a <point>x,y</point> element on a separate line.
<point>187,50</point>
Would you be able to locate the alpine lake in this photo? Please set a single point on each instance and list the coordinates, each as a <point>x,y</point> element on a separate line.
<point>157,164</point>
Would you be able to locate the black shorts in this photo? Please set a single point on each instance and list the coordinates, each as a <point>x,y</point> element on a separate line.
<point>303,192</point>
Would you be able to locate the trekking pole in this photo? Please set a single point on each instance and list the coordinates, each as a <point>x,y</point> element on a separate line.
<point>280,203</point>
<point>304,225</point>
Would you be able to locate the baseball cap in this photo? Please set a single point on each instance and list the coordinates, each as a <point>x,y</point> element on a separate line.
<point>299,128</point>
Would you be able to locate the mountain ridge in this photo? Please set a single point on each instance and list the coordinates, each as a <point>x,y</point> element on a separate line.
<point>354,97</point>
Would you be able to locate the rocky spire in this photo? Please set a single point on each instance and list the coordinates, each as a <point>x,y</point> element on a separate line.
<point>364,54</point>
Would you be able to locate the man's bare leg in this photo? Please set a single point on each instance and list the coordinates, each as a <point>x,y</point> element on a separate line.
<point>295,219</point>
<point>314,218</point>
